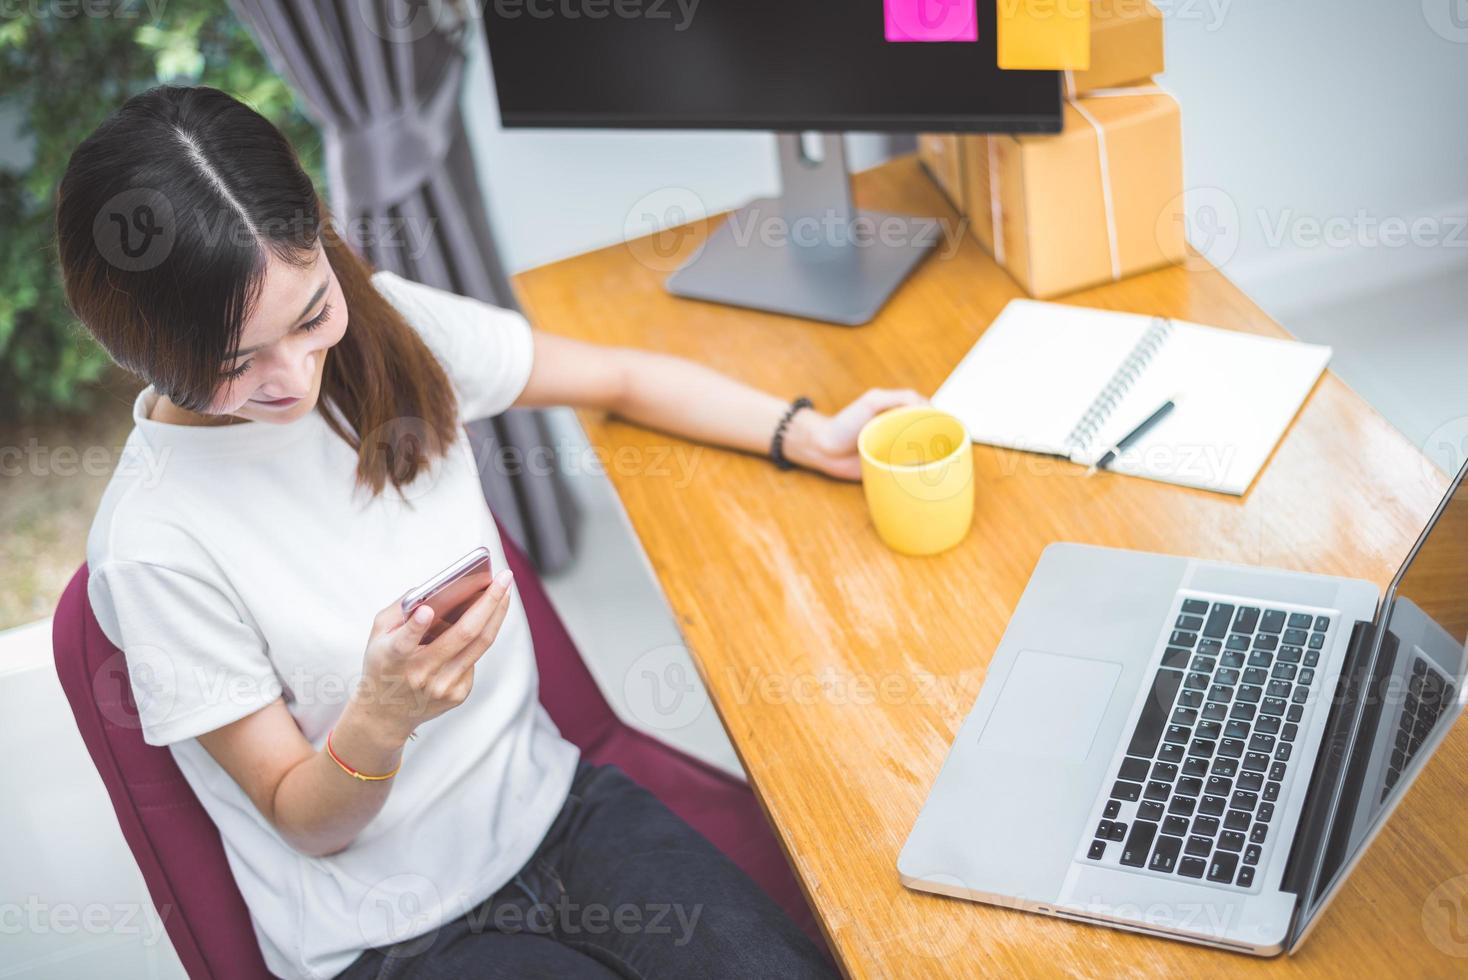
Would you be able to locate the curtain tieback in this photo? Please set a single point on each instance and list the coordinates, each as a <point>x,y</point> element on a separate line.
<point>381,163</point>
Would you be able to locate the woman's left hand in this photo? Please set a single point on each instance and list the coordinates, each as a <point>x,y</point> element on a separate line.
<point>827,443</point>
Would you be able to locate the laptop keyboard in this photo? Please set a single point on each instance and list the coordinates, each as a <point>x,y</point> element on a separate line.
<point>1428,693</point>
<point>1206,765</point>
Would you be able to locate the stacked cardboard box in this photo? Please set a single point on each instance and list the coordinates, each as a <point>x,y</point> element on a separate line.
<point>1126,44</point>
<point>1100,200</point>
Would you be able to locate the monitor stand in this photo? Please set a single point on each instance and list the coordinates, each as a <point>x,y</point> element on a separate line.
<point>809,253</point>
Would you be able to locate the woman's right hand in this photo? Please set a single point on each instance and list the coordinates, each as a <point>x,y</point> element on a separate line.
<point>404,683</point>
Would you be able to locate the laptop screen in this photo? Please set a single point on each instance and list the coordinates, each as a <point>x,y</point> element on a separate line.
<point>1409,691</point>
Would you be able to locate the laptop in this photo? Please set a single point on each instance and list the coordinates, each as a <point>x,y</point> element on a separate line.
<point>1192,749</point>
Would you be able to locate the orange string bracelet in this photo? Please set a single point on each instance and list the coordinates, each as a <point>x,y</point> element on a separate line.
<point>353,772</point>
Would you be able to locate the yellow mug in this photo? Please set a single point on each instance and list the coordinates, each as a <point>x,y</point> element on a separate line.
<point>917,470</point>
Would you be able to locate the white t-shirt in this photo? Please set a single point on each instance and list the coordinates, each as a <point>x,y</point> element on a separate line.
<point>237,564</point>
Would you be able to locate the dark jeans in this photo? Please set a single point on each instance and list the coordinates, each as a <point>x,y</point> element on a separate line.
<point>620,887</point>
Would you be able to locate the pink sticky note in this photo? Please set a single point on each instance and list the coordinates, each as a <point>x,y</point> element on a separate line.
<point>932,20</point>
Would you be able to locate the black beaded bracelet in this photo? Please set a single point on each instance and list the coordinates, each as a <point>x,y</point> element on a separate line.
<point>777,443</point>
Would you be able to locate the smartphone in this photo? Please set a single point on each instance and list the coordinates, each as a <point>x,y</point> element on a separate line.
<point>451,591</point>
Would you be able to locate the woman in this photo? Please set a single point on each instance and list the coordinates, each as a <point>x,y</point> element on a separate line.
<point>388,808</point>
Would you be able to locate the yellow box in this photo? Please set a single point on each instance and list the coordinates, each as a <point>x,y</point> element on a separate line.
<point>1126,45</point>
<point>1040,204</point>
<point>1050,34</point>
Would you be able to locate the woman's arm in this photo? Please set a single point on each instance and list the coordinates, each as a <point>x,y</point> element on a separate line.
<point>311,801</point>
<point>315,806</point>
<point>687,399</point>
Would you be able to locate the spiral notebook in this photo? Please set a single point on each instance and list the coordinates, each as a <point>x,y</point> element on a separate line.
<point>1073,382</point>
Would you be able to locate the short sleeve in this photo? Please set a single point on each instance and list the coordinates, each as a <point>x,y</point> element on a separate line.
<point>486,351</point>
<point>193,662</point>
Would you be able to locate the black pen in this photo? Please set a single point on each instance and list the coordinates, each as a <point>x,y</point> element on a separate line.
<point>1137,433</point>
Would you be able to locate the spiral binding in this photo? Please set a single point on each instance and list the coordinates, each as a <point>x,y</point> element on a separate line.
<point>1121,382</point>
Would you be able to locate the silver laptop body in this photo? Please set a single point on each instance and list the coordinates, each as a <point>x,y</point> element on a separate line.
<point>1140,707</point>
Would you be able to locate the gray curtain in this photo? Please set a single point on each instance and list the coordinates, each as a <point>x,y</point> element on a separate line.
<point>382,78</point>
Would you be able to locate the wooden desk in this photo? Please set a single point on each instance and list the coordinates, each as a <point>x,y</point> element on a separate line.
<point>842,670</point>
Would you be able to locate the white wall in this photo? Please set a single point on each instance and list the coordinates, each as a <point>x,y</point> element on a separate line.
<point>1342,111</point>
<point>1329,142</point>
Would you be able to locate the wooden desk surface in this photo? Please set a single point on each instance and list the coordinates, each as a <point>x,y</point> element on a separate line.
<point>842,670</point>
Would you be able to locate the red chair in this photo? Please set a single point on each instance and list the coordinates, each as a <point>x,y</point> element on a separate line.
<point>178,848</point>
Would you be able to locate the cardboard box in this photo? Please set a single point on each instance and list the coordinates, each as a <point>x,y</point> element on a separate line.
<point>1126,44</point>
<point>941,154</point>
<point>1039,206</point>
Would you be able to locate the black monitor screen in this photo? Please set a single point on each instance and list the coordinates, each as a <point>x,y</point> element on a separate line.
<point>752,64</point>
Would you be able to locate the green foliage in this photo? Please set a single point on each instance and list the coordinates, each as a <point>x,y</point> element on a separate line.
<point>61,75</point>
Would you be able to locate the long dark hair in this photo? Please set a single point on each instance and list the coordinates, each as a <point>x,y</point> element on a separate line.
<point>165,221</point>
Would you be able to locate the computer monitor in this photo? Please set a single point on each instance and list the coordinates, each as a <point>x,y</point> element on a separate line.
<point>783,65</point>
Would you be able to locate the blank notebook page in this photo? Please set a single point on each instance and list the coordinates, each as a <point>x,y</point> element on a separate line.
<point>1035,371</point>
<point>1235,394</point>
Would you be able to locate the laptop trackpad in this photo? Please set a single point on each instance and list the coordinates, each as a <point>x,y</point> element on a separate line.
<point>1050,707</point>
